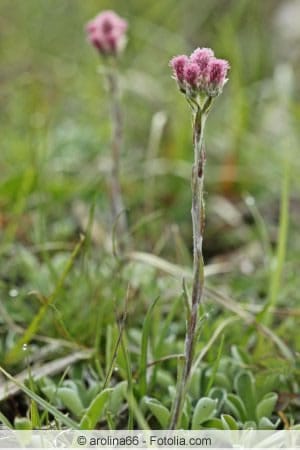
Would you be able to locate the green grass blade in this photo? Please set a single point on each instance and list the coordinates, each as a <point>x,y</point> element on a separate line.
<point>43,403</point>
<point>144,350</point>
<point>276,272</point>
<point>5,421</point>
<point>14,354</point>
<point>132,404</point>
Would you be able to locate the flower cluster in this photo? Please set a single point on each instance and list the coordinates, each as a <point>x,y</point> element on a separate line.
<point>107,33</point>
<point>201,73</point>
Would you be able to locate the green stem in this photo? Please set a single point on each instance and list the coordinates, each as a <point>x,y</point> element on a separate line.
<point>198,219</point>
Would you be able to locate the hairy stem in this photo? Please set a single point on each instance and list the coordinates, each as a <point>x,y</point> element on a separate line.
<point>198,218</point>
<point>117,204</point>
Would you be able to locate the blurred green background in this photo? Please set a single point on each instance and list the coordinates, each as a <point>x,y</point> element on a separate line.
<point>55,115</point>
<point>55,124</point>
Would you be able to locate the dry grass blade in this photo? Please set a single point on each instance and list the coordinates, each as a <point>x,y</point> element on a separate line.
<point>174,269</point>
<point>160,264</point>
<point>250,319</point>
<point>9,388</point>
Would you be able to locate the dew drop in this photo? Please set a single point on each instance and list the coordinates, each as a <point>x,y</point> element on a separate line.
<point>13,292</point>
<point>250,201</point>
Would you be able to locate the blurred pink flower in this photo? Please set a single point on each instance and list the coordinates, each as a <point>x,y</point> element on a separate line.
<point>106,32</point>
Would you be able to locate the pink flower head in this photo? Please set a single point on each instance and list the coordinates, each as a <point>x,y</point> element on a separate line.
<point>202,56</point>
<point>200,75</point>
<point>106,32</point>
<point>178,64</point>
<point>217,73</point>
<point>191,74</point>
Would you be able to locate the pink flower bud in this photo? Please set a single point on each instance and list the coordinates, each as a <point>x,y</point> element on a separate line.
<point>191,74</point>
<point>178,64</point>
<point>200,75</point>
<point>217,73</point>
<point>202,56</point>
<point>107,33</point>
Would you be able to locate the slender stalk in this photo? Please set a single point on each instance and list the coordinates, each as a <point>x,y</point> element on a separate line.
<point>198,219</point>
<point>117,204</point>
